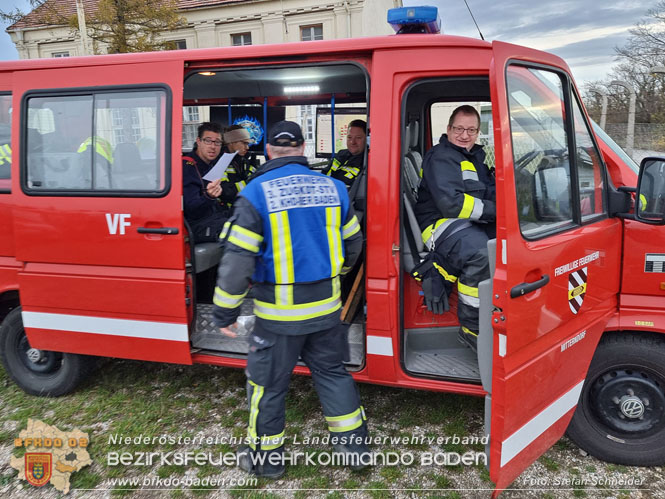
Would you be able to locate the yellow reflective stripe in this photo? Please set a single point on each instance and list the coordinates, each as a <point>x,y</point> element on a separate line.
<point>347,422</point>
<point>467,208</point>
<point>350,228</point>
<point>467,166</point>
<point>467,290</point>
<point>271,442</point>
<point>5,154</point>
<point>282,252</point>
<point>102,147</point>
<point>284,294</point>
<point>442,271</point>
<point>300,311</point>
<point>468,331</point>
<point>227,300</point>
<point>257,394</point>
<point>643,202</point>
<point>225,230</point>
<point>427,233</point>
<point>245,238</point>
<point>241,185</point>
<point>333,221</point>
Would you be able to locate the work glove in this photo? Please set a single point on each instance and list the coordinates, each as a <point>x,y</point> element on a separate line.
<point>435,287</point>
<point>436,298</point>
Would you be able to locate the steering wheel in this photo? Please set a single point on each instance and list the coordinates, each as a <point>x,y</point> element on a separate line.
<point>526,159</point>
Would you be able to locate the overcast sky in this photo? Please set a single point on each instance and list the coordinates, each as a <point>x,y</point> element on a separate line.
<point>583,32</point>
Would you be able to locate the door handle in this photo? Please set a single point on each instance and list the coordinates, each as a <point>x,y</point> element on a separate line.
<point>169,231</point>
<point>528,287</point>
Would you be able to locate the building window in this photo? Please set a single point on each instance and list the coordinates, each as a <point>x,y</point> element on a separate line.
<point>241,39</point>
<point>64,53</point>
<point>180,44</point>
<point>313,32</point>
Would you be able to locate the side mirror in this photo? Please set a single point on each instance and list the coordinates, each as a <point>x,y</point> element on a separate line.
<point>650,198</point>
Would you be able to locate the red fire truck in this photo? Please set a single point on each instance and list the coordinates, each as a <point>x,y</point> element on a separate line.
<point>95,257</point>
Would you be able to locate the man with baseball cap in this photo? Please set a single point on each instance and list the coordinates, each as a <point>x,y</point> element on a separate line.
<point>292,234</point>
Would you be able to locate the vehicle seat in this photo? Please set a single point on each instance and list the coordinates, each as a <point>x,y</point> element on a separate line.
<point>128,168</point>
<point>206,256</point>
<point>413,153</point>
<point>411,237</point>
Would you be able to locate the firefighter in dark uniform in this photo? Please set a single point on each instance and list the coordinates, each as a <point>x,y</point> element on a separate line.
<point>236,140</point>
<point>348,163</point>
<point>204,212</point>
<point>456,211</point>
<point>292,233</point>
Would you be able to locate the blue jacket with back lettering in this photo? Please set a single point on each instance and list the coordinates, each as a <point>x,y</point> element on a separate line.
<point>294,232</point>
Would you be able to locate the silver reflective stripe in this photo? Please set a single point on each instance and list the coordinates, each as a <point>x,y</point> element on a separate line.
<point>227,300</point>
<point>295,312</point>
<point>355,421</point>
<point>469,175</point>
<point>284,294</point>
<point>471,301</point>
<point>251,242</point>
<point>350,228</point>
<point>477,211</point>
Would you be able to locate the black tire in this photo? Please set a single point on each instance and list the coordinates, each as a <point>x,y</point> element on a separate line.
<point>49,374</point>
<point>620,417</point>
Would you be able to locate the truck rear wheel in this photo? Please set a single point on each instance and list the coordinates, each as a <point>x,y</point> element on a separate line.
<point>620,416</point>
<point>39,372</point>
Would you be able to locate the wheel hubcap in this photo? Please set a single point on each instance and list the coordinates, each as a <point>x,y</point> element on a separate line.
<point>629,402</point>
<point>34,355</point>
<point>38,361</point>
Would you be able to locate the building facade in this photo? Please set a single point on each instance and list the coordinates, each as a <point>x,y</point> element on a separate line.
<point>219,23</point>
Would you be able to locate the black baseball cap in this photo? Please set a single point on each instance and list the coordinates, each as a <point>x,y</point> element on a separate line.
<point>285,134</point>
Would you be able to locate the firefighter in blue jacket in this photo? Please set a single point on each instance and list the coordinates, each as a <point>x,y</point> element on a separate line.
<point>456,212</point>
<point>292,233</point>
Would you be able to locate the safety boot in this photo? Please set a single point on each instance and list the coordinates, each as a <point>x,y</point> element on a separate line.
<point>468,338</point>
<point>261,463</point>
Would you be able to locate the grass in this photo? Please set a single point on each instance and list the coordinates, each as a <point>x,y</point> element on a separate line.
<point>131,399</point>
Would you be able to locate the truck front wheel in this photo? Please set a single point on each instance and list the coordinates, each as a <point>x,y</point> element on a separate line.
<point>39,372</point>
<point>620,416</point>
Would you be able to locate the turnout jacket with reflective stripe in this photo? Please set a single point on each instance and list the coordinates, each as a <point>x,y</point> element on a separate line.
<point>456,184</point>
<point>292,233</point>
<point>345,166</point>
<point>236,177</point>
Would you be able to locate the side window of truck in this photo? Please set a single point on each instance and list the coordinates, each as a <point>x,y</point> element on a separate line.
<point>540,150</point>
<point>5,142</point>
<point>106,141</point>
<point>590,174</point>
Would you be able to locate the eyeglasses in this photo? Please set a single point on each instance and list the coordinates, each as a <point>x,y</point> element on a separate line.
<point>459,130</point>
<point>211,142</point>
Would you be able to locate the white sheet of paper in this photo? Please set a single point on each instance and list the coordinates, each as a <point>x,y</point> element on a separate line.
<point>217,171</point>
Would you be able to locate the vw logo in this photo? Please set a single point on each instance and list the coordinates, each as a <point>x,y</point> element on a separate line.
<point>632,408</point>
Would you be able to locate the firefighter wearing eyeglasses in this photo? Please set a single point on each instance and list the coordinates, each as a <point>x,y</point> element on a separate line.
<point>204,211</point>
<point>456,212</point>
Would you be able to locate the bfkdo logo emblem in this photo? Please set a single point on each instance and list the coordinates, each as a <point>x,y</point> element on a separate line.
<point>577,289</point>
<point>38,468</point>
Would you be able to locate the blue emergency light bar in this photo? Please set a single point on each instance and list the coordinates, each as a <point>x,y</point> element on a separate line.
<point>423,19</point>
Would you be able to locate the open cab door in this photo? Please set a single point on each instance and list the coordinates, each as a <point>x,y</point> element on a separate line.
<point>556,275</point>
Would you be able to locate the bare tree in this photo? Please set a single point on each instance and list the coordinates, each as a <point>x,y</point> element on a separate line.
<point>118,25</point>
<point>644,49</point>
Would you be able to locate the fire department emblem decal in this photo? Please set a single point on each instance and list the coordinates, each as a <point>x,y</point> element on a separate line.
<point>37,468</point>
<point>577,289</point>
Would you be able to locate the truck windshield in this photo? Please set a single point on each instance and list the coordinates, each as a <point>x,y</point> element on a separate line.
<point>602,135</point>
